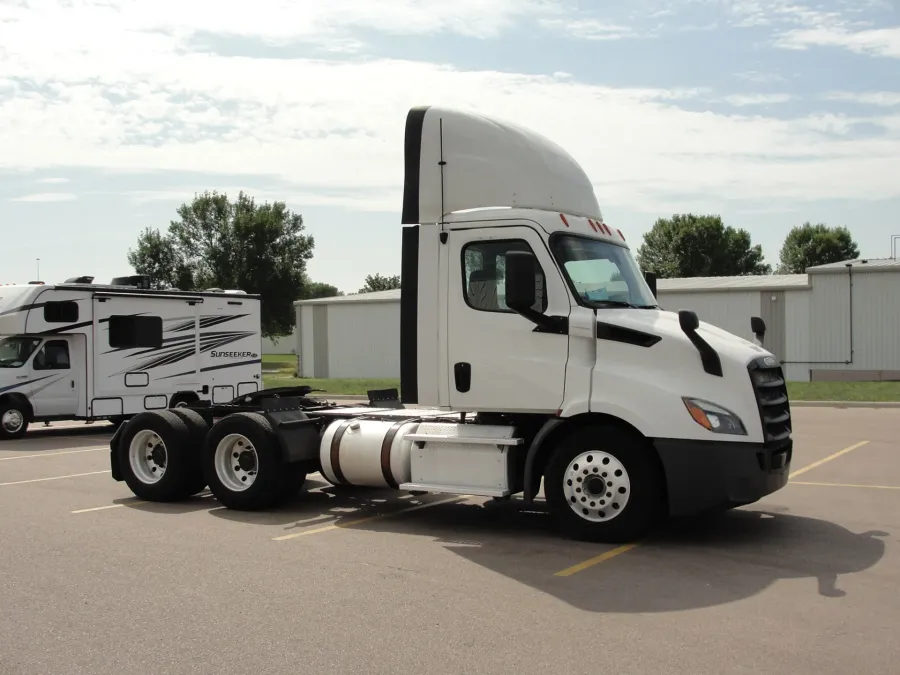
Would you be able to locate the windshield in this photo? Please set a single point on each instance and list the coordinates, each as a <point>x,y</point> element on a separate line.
<point>14,351</point>
<point>602,274</point>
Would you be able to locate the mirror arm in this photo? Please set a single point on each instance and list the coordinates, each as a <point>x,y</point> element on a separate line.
<point>544,323</point>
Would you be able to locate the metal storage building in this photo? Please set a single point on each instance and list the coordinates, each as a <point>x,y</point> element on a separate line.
<point>808,317</point>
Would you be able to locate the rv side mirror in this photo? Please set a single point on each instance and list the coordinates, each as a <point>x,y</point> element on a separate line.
<point>520,281</point>
<point>758,326</point>
<point>650,278</point>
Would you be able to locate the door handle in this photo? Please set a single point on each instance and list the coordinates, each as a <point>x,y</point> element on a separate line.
<point>21,377</point>
<point>73,383</point>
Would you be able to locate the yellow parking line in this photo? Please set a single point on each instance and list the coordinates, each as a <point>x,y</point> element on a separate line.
<point>828,459</point>
<point>53,454</point>
<point>40,480</point>
<point>336,526</point>
<point>854,485</point>
<point>596,560</point>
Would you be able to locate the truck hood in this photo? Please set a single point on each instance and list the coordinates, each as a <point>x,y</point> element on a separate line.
<point>666,325</point>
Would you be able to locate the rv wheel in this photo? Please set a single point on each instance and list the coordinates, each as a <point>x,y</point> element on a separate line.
<point>244,467</point>
<point>13,419</point>
<point>156,458</point>
<point>603,485</point>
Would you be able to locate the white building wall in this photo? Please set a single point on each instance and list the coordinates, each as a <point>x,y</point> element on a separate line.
<point>797,304</point>
<point>283,345</point>
<point>364,340</point>
<point>307,343</point>
<point>728,310</point>
<point>876,321</point>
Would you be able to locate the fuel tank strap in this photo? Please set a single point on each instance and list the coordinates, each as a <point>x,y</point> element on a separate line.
<point>336,451</point>
<point>386,451</point>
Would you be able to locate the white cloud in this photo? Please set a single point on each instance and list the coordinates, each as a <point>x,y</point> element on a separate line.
<point>879,98</point>
<point>103,92</point>
<point>876,42</point>
<point>46,197</point>
<point>588,29</point>
<point>741,100</point>
<point>53,181</point>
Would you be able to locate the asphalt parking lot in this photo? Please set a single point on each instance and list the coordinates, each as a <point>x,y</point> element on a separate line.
<point>364,581</point>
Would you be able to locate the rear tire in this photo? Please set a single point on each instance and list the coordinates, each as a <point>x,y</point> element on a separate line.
<point>244,467</point>
<point>156,458</point>
<point>13,420</point>
<point>604,485</point>
<point>198,429</point>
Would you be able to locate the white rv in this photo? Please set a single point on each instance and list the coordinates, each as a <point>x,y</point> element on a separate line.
<point>578,379</point>
<point>80,350</point>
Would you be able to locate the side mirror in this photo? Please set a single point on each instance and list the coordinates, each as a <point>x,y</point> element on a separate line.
<point>520,281</point>
<point>688,321</point>
<point>758,326</point>
<point>650,278</point>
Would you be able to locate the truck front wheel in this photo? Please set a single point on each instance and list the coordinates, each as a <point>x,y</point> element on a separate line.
<point>603,485</point>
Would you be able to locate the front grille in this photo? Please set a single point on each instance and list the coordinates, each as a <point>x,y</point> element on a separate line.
<point>770,389</point>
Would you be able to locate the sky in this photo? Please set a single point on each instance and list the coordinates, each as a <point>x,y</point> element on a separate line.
<point>114,112</point>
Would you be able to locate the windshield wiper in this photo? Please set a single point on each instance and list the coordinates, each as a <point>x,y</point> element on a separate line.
<point>621,303</point>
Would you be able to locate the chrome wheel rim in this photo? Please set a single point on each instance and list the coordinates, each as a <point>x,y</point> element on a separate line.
<point>596,486</point>
<point>148,456</point>
<point>236,462</point>
<point>13,421</point>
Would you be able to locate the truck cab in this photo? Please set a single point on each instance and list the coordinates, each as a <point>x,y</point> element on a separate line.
<point>520,301</point>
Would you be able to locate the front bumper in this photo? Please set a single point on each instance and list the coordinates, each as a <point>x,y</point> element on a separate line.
<point>706,475</point>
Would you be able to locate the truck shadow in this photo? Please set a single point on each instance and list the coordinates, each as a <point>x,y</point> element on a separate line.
<point>701,562</point>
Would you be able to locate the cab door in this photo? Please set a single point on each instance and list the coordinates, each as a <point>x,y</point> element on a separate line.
<point>55,378</point>
<point>496,359</point>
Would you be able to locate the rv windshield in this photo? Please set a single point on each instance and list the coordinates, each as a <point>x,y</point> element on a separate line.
<point>14,351</point>
<point>602,274</point>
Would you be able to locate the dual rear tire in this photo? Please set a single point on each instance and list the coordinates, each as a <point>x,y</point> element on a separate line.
<point>171,455</point>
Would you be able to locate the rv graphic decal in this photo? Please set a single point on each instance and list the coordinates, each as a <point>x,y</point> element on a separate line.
<point>182,348</point>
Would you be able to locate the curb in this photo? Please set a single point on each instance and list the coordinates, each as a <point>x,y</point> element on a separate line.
<point>845,404</point>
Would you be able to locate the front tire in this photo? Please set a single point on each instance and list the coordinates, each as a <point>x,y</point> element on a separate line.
<point>604,485</point>
<point>13,420</point>
<point>244,467</point>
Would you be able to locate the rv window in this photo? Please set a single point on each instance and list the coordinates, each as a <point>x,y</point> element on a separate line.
<point>54,355</point>
<point>484,275</point>
<point>65,311</point>
<point>129,332</point>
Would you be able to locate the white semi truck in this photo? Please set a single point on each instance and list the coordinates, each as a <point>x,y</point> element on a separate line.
<point>532,348</point>
<point>85,351</point>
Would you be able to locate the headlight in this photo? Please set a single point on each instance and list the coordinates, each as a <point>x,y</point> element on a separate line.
<point>714,417</point>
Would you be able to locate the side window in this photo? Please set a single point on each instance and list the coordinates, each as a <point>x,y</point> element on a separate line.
<point>130,332</point>
<point>54,355</point>
<point>484,275</point>
<point>65,311</point>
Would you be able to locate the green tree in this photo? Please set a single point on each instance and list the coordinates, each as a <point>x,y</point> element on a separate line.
<point>808,245</point>
<point>318,289</point>
<point>689,245</point>
<point>217,243</point>
<point>379,283</point>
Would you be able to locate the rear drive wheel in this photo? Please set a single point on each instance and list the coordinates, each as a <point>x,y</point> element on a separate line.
<point>155,454</point>
<point>603,485</point>
<point>244,467</point>
<point>198,429</point>
<point>13,420</point>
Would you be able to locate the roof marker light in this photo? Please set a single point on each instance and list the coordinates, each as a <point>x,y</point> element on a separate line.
<point>563,218</point>
<point>593,225</point>
<point>621,235</point>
